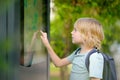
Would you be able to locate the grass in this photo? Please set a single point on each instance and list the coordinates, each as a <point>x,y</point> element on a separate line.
<point>54,78</point>
<point>55,72</point>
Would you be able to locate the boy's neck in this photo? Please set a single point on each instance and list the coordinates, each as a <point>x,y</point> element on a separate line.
<point>85,49</point>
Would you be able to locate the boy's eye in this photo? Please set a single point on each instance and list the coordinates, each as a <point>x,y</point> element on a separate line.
<point>74,29</point>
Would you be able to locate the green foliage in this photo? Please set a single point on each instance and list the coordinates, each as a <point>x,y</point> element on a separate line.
<point>67,11</point>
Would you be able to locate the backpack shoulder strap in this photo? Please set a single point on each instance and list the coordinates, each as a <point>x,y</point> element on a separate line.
<point>78,49</point>
<point>87,57</point>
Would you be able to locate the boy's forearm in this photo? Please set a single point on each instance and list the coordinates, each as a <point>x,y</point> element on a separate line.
<point>56,60</point>
<point>53,55</point>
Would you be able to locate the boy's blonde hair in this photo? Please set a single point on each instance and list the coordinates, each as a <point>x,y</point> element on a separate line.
<point>92,31</point>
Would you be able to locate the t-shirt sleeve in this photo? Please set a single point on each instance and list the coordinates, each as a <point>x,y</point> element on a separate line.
<point>96,65</point>
<point>71,57</point>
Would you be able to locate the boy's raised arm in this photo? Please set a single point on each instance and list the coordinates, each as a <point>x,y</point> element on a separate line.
<point>56,60</point>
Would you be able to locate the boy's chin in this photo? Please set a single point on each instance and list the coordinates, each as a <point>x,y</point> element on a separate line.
<point>74,42</point>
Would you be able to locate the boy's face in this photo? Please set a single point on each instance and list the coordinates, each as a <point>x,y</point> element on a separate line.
<point>77,37</point>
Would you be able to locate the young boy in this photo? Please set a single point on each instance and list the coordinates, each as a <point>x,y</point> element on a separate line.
<point>87,34</point>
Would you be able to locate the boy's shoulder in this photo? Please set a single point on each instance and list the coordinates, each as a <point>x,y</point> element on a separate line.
<point>96,55</point>
<point>109,64</point>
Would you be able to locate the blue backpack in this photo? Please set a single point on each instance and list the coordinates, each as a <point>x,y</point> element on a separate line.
<point>109,70</point>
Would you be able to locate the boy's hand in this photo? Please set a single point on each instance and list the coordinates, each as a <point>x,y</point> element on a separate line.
<point>44,38</point>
